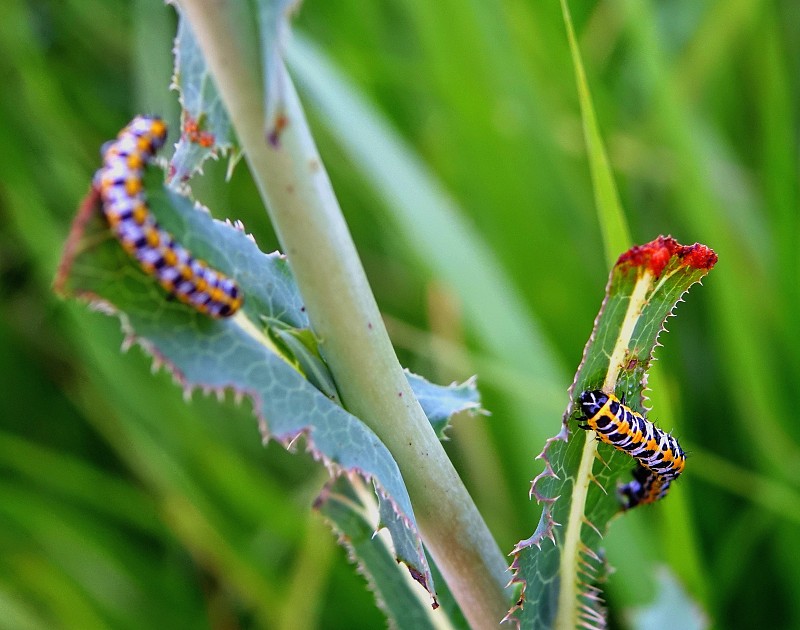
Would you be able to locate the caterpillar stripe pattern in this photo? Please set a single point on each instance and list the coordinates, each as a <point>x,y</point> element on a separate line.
<point>646,487</point>
<point>661,459</point>
<point>125,207</point>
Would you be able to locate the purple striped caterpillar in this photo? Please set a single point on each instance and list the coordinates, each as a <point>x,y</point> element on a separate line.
<point>125,207</point>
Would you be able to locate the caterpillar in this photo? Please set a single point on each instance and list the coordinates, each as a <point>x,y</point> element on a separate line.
<point>125,207</point>
<point>661,459</point>
<point>646,487</point>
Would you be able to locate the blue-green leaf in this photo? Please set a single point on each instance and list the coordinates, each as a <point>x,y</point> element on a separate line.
<point>206,130</point>
<point>237,353</point>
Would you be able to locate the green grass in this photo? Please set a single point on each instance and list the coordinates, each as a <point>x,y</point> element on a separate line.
<point>124,507</point>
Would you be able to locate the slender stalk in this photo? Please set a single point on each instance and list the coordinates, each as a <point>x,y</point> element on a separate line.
<point>613,224</point>
<point>342,309</point>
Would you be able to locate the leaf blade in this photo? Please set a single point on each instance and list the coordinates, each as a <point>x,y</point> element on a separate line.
<point>237,353</point>
<point>613,224</point>
<point>643,289</point>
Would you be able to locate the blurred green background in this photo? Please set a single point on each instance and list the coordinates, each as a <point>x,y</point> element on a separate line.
<point>123,507</point>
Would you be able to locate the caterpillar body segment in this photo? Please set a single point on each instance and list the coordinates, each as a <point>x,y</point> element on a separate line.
<point>120,181</point>
<point>659,456</point>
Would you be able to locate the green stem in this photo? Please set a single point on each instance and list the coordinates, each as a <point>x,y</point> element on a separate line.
<point>342,309</point>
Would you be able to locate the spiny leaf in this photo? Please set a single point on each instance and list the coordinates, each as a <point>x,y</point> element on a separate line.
<point>252,353</point>
<point>347,508</point>
<point>206,126</point>
<point>556,563</point>
<point>206,130</point>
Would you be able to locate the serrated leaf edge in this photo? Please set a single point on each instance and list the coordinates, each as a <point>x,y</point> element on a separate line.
<point>354,559</point>
<point>663,329</point>
<point>288,440</point>
<point>545,528</point>
<point>701,259</point>
<point>217,148</point>
<point>568,614</point>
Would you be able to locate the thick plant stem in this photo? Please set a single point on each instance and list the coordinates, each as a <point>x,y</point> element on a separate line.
<point>313,234</point>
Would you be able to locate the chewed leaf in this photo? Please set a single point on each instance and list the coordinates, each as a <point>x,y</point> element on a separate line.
<point>206,130</point>
<point>234,353</point>
<point>205,127</point>
<point>560,562</point>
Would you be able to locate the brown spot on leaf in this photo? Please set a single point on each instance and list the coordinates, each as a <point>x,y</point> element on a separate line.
<point>280,124</point>
<point>419,577</point>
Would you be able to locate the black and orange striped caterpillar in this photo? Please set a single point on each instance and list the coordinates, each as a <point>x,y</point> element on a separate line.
<point>661,459</point>
<point>646,487</point>
<point>125,207</point>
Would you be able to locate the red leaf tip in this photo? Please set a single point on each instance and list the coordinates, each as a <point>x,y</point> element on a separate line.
<point>657,253</point>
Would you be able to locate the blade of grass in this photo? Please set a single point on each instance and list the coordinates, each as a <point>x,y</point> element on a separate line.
<point>713,40</point>
<point>613,224</point>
